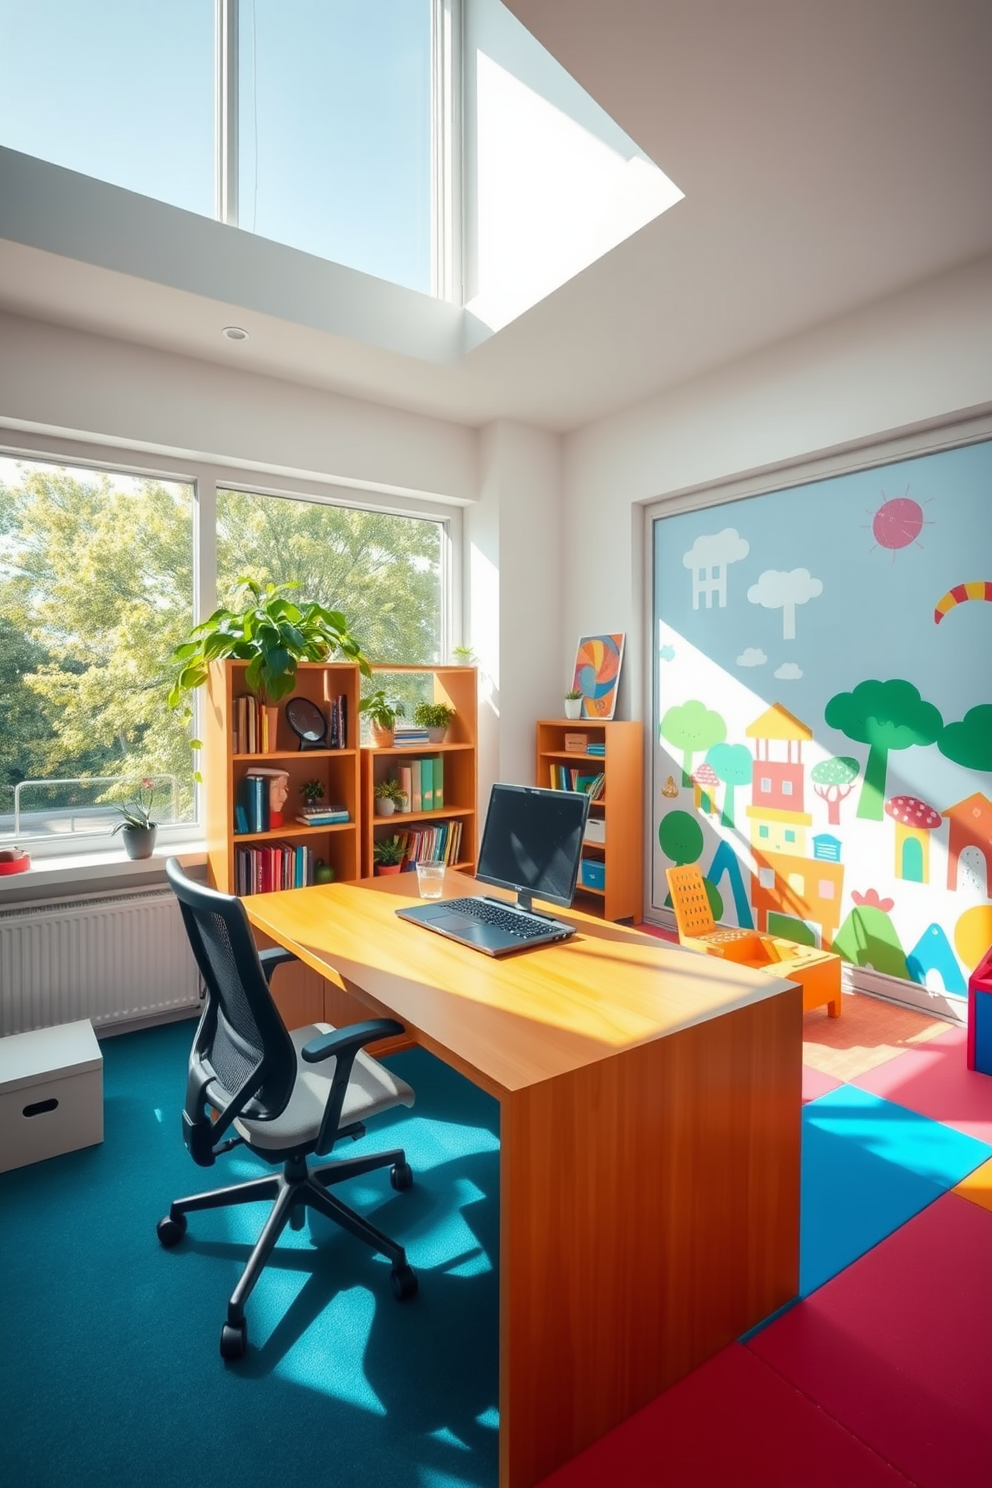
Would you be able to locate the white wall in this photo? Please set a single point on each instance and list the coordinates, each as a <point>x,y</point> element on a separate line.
<point>513,595</point>
<point>916,357</point>
<point>83,386</point>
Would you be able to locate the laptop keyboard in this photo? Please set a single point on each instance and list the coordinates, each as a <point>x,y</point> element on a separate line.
<point>515,922</point>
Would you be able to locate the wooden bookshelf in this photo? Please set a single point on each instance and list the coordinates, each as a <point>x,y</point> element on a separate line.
<point>458,687</point>
<point>620,809</point>
<point>224,770</point>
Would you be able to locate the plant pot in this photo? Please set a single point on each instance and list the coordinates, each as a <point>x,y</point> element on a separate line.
<point>437,735</point>
<point>384,868</point>
<point>139,842</point>
<point>269,730</point>
<point>573,707</point>
<point>385,807</point>
<point>382,738</point>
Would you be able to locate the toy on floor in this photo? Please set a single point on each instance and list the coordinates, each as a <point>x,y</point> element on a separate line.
<point>980,1016</point>
<point>816,971</point>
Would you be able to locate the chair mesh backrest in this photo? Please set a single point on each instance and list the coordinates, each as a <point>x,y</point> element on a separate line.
<point>693,915</point>
<point>241,1030</point>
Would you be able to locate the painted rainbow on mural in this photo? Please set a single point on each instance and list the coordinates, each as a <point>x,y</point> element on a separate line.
<point>978,589</point>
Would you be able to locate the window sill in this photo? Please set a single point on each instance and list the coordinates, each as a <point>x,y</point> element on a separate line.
<point>88,873</point>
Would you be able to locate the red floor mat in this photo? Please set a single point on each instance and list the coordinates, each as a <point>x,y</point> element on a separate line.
<point>732,1423</point>
<point>934,1079</point>
<point>898,1347</point>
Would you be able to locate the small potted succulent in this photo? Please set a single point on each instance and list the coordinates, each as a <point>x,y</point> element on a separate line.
<point>573,703</point>
<point>389,797</point>
<point>136,825</point>
<point>312,792</point>
<point>387,854</point>
<point>435,718</point>
<point>382,712</point>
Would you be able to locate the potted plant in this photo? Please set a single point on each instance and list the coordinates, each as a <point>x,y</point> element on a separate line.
<point>573,703</point>
<point>312,792</point>
<point>272,634</point>
<point>387,854</point>
<point>136,825</point>
<point>464,656</point>
<point>389,797</point>
<point>382,712</point>
<point>435,718</point>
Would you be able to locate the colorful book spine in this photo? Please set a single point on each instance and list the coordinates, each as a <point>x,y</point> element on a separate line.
<point>438,782</point>
<point>416,799</point>
<point>405,775</point>
<point>427,784</point>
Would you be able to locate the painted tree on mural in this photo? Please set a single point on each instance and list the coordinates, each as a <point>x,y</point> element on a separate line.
<point>681,839</point>
<point>833,781</point>
<point>734,765</point>
<point>969,742</point>
<point>692,727</point>
<point>885,716</point>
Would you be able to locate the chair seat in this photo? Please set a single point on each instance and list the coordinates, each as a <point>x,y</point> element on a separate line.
<point>371,1089</point>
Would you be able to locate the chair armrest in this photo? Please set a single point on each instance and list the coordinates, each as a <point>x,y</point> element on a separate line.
<point>275,956</point>
<point>345,1040</point>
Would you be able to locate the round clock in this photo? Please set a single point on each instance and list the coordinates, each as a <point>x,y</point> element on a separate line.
<point>307,722</point>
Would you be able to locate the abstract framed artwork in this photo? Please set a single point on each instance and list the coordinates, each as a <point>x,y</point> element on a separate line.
<point>597,673</point>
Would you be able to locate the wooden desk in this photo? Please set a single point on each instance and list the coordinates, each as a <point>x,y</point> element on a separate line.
<point>649,1143</point>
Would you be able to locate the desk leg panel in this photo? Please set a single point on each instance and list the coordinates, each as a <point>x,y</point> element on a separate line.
<point>649,1215</point>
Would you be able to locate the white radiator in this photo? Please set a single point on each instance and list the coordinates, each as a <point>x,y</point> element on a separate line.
<point>115,959</point>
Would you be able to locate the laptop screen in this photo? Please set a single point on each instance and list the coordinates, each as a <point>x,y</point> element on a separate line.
<point>532,841</point>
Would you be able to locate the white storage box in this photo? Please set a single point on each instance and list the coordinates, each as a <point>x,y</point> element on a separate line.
<point>51,1093</point>
<point>595,829</point>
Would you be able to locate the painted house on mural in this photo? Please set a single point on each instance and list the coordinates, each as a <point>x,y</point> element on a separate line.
<point>786,880</point>
<point>970,842</point>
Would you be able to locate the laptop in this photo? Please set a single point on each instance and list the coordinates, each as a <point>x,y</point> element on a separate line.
<point>532,844</point>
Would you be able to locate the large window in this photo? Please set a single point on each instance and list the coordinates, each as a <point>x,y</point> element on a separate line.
<point>311,122</point>
<point>96,589</point>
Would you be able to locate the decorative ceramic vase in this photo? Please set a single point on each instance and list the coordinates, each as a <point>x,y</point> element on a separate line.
<point>139,842</point>
<point>573,707</point>
<point>382,738</point>
<point>384,868</point>
<point>437,735</point>
<point>384,807</point>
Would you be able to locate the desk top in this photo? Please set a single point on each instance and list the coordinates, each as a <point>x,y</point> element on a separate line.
<point>515,1021</point>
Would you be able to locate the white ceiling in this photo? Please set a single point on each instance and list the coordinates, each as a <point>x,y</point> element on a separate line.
<point>831,154</point>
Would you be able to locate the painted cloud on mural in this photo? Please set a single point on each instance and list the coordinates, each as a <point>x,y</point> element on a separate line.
<point>708,558</point>
<point>752,656</point>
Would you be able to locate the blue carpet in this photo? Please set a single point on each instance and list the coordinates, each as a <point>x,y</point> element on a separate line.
<point>868,1165</point>
<point>110,1371</point>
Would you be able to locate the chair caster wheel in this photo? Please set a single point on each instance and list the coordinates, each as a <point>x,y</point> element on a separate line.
<point>233,1341</point>
<point>170,1231</point>
<point>404,1280</point>
<point>401,1176</point>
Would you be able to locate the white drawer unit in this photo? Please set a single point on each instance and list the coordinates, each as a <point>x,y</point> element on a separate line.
<point>51,1093</point>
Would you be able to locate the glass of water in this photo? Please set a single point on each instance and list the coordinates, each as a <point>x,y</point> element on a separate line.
<point>430,880</point>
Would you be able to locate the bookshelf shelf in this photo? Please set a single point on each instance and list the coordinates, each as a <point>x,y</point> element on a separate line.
<point>619,811</point>
<point>224,772</point>
<point>458,687</point>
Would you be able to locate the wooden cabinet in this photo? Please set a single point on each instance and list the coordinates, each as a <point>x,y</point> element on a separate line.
<point>611,882</point>
<point>225,770</point>
<point>458,687</point>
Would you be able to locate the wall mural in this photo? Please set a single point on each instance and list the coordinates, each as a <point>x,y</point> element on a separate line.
<point>823,728</point>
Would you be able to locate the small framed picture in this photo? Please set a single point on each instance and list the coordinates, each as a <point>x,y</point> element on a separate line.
<point>597,673</point>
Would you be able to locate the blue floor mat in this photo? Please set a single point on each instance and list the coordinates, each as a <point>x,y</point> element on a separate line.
<point>869,1165</point>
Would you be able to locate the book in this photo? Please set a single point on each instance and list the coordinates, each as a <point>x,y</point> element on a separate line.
<point>427,784</point>
<point>405,776</point>
<point>240,818</point>
<point>334,810</point>
<point>416,803</point>
<point>323,821</point>
<point>438,782</point>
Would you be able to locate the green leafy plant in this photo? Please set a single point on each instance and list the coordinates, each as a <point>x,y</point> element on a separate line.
<point>572,695</point>
<point>389,790</point>
<point>382,710</point>
<point>433,715</point>
<point>138,813</point>
<point>312,791</point>
<point>463,656</point>
<point>272,634</point>
<point>387,851</point>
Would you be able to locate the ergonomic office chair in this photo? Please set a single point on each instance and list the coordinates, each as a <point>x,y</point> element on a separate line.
<point>280,1095</point>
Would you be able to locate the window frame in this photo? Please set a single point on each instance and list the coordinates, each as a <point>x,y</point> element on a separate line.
<point>206,479</point>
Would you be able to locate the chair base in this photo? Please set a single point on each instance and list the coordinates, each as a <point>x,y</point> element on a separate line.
<point>294,1190</point>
